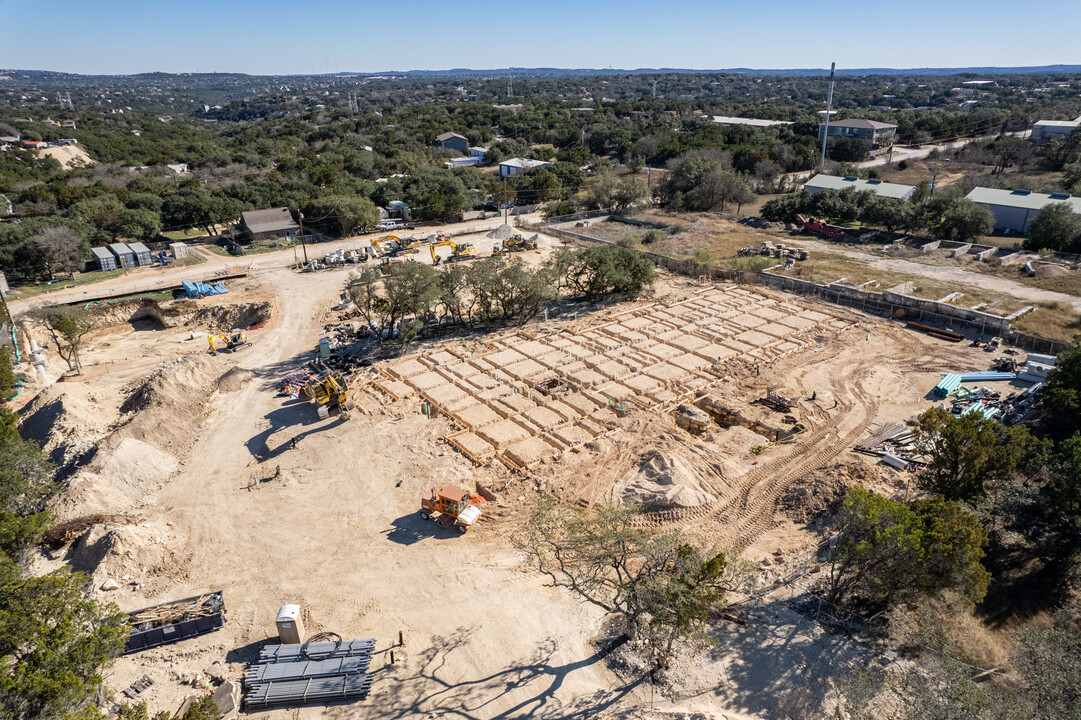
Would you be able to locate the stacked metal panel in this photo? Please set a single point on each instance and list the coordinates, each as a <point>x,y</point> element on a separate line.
<point>320,672</point>
<point>316,651</point>
<point>313,690</point>
<point>275,672</point>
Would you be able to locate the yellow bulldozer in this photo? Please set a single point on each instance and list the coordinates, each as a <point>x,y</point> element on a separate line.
<point>227,342</point>
<point>331,395</point>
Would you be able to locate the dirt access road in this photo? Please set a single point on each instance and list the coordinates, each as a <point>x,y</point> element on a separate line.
<point>946,273</point>
<point>147,279</point>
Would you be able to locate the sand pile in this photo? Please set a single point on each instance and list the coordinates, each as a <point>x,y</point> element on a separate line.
<point>664,481</point>
<point>503,232</point>
<point>235,380</point>
<point>67,420</point>
<point>120,477</point>
<point>1051,270</point>
<point>166,409</point>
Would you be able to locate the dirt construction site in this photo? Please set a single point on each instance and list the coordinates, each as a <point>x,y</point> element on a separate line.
<point>726,411</point>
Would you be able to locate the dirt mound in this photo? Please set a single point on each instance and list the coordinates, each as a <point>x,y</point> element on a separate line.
<point>503,232</point>
<point>221,318</point>
<point>235,380</point>
<point>1050,270</point>
<point>121,551</point>
<point>822,491</point>
<point>664,481</point>
<point>166,409</point>
<point>213,318</point>
<point>67,420</point>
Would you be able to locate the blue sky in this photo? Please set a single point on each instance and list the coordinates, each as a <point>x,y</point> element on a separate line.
<point>272,36</point>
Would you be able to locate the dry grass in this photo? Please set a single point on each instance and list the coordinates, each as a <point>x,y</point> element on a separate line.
<point>1055,321</point>
<point>948,624</point>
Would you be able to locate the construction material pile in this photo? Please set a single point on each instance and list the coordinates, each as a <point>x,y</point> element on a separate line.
<point>196,289</point>
<point>176,620</point>
<point>311,672</point>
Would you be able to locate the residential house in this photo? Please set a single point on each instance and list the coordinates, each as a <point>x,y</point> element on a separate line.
<point>397,210</point>
<point>263,224</point>
<point>179,168</point>
<point>822,182</point>
<point>70,124</point>
<point>873,133</point>
<point>519,165</point>
<point>1014,210</point>
<point>453,141</point>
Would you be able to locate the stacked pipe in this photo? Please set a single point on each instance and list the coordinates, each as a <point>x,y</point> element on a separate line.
<point>947,385</point>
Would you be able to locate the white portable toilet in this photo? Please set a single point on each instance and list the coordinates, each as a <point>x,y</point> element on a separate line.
<point>290,626</point>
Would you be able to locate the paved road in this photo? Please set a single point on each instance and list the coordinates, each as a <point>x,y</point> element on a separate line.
<point>148,279</point>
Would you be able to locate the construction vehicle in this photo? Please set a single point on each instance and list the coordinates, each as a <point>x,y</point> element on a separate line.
<point>450,507</point>
<point>386,245</point>
<point>519,244</point>
<point>228,342</point>
<point>331,394</point>
<point>459,251</point>
<point>819,227</point>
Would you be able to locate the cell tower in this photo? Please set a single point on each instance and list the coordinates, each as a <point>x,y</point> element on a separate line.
<point>829,110</point>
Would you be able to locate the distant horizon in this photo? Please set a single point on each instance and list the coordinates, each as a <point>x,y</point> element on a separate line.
<point>277,38</point>
<point>541,70</point>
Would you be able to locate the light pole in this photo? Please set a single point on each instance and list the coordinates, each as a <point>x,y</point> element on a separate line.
<point>302,245</point>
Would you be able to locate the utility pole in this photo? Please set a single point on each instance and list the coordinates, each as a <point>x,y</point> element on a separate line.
<point>654,89</point>
<point>302,244</point>
<point>826,127</point>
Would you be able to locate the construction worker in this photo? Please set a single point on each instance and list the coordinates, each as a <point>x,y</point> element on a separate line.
<point>293,443</point>
<point>814,396</point>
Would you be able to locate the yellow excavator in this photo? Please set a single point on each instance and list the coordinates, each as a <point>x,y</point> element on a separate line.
<point>331,395</point>
<point>459,251</point>
<point>228,342</point>
<point>386,245</point>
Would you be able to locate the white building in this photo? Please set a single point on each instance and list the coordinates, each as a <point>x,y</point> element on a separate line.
<point>1044,130</point>
<point>878,187</point>
<point>1015,209</point>
<point>750,122</point>
<point>519,165</point>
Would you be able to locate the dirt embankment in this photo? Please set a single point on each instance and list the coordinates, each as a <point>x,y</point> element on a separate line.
<point>209,318</point>
<point>118,452</point>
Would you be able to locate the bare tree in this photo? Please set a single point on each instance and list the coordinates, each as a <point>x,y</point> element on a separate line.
<point>61,246</point>
<point>67,326</point>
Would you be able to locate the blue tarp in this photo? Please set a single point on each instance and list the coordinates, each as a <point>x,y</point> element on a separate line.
<point>196,289</point>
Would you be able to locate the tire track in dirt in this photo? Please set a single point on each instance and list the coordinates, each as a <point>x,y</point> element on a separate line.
<point>756,516</point>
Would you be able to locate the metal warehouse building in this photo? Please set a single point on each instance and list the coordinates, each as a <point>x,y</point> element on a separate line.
<point>1015,209</point>
<point>882,189</point>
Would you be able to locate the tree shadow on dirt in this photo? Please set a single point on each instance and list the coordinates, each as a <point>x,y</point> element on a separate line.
<point>524,689</point>
<point>779,663</point>
<point>293,415</point>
